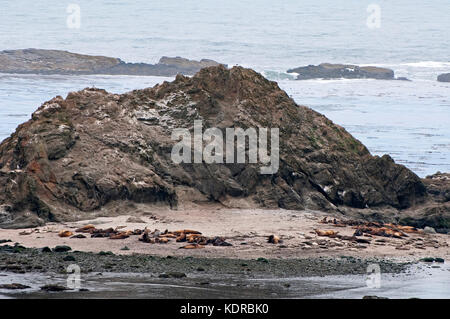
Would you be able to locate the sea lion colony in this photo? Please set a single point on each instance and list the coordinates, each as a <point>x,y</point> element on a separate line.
<point>193,237</point>
<point>372,230</point>
<point>364,233</point>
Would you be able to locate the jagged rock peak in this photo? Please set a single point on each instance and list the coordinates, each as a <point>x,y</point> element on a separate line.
<point>96,149</point>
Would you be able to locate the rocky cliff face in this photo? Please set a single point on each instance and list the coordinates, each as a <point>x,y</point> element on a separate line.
<point>38,61</point>
<point>93,148</point>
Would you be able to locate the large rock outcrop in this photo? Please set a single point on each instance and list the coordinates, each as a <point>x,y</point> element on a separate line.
<point>38,61</point>
<point>436,211</point>
<point>337,71</point>
<point>93,148</point>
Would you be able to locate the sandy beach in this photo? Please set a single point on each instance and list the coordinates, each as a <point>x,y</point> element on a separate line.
<point>247,231</point>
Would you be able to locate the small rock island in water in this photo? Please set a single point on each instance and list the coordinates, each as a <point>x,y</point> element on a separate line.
<point>346,71</point>
<point>445,77</point>
<point>38,61</point>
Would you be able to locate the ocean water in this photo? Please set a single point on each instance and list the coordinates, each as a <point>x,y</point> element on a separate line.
<point>408,120</point>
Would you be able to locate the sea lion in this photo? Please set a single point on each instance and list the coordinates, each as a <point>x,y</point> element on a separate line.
<point>324,220</point>
<point>193,238</point>
<point>381,231</point>
<point>65,233</point>
<point>145,237</point>
<point>85,229</point>
<point>181,238</point>
<point>26,232</point>
<point>373,224</point>
<point>218,241</point>
<point>156,233</point>
<point>358,232</point>
<point>187,231</point>
<point>99,235</point>
<point>78,236</point>
<point>327,233</point>
<point>362,241</point>
<point>121,235</point>
<point>161,240</point>
<point>192,246</point>
<point>407,229</point>
<point>108,230</point>
<point>168,235</point>
<point>274,239</point>
<point>350,238</point>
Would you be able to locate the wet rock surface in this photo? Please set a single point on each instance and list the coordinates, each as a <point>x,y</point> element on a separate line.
<point>14,286</point>
<point>438,186</point>
<point>347,71</point>
<point>436,211</point>
<point>34,260</point>
<point>61,249</point>
<point>38,61</point>
<point>54,288</point>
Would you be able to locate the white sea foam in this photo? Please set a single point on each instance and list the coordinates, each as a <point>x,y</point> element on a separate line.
<point>277,76</point>
<point>428,64</point>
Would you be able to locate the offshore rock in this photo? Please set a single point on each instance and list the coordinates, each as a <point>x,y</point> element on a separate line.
<point>347,71</point>
<point>38,61</point>
<point>444,77</point>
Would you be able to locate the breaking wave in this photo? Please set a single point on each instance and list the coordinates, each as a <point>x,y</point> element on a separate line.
<point>428,64</point>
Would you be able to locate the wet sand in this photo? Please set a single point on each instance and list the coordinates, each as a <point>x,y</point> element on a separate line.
<point>417,281</point>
